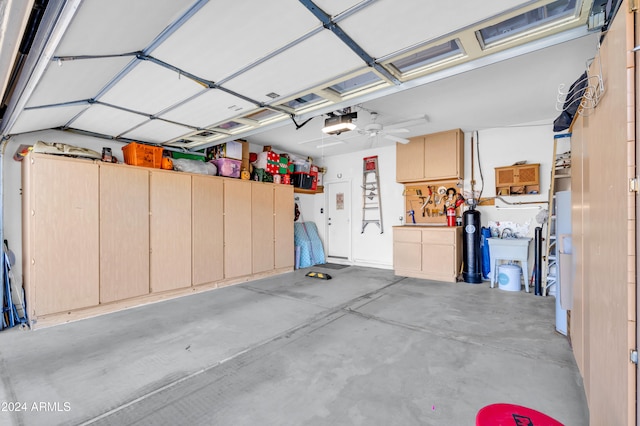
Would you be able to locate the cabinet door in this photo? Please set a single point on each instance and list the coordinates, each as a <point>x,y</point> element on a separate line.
<point>284,218</point>
<point>65,234</point>
<point>528,174</point>
<point>410,160</point>
<point>505,176</point>
<point>170,230</point>
<point>262,223</point>
<point>439,260</point>
<point>443,158</point>
<point>237,228</point>
<point>124,232</point>
<point>407,256</point>
<point>207,229</point>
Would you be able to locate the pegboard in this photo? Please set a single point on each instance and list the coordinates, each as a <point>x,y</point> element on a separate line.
<point>429,201</point>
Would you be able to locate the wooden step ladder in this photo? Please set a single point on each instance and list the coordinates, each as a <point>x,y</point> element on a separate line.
<point>371,204</point>
<point>550,260</point>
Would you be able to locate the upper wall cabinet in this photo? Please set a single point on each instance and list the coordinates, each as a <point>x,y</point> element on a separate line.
<point>436,156</point>
<point>520,179</point>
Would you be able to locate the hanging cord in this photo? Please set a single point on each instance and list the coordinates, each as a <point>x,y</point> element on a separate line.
<point>298,126</point>
<point>479,165</point>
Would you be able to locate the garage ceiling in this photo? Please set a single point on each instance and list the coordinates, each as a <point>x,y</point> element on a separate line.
<point>191,74</point>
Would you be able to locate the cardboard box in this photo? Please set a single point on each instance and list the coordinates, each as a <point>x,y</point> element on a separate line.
<point>232,149</point>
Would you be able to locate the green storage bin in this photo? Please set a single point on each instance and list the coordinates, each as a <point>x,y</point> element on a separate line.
<point>188,156</point>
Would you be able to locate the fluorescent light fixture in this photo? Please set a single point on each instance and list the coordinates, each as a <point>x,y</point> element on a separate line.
<point>339,123</point>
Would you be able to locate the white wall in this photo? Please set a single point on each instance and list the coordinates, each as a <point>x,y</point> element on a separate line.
<point>497,148</point>
<point>503,147</point>
<point>370,248</point>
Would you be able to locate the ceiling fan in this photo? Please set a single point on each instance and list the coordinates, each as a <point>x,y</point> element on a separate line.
<point>374,129</point>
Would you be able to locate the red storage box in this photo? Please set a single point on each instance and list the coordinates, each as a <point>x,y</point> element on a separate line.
<point>314,177</point>
<point>138,154</point>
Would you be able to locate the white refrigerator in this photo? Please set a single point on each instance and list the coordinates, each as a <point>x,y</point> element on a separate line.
<point>564,286</point>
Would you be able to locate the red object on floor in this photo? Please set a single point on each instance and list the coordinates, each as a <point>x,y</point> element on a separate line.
<point>513,415</point>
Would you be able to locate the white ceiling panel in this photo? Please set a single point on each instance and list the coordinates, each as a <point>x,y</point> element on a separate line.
<point>209,108</point>
<point>75,80</point>
<point>150,88</point>
<point>336,7</point>
<point>118,26</point>
<point>107,121</point>
<point>45,118</point>
<point>225,36</point>
<point>157,131</point>
<point>304,65</point>
<point>387,26</point>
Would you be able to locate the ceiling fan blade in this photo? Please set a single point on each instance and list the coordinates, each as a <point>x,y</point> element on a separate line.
<point>388,130</point>
<point>396,139</point>
<point>412,121</point>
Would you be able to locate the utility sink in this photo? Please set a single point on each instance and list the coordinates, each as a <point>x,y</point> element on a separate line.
<point>509,241</point>
<point>508,249</point>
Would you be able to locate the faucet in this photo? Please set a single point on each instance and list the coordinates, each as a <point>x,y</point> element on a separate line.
<point>509,232</point>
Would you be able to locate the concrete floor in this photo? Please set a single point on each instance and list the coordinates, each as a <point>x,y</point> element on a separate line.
<point>366,347</point>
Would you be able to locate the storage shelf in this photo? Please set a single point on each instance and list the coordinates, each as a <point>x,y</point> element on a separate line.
<point>320,190</point>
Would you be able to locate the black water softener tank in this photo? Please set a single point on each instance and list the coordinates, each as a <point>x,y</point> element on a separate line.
<point>471,254</point>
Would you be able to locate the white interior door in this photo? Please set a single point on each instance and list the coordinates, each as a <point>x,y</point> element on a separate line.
<point>338,219</point>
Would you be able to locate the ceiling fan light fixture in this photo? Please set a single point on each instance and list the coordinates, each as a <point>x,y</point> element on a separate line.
<point>339,123</point>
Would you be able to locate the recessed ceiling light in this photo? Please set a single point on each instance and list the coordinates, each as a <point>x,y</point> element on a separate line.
<point>273,95</point>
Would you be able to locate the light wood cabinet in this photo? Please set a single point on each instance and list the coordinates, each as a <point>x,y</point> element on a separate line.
<point>284,256</point>
<point>61,238</point>
<point>433,253</point>
<point>170,230</point>
<point>237,228</point>
<point>410,160</point>
<point>407,249</point>
<point>444,155</point>
<point>98,237</point>
<point>124,232</point>
<point>262,222</point>
<point>207,229</point>
<point>518,180</point>
<point>435,156</point>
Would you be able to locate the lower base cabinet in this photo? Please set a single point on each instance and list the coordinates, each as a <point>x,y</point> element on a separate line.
<point>433,253</point>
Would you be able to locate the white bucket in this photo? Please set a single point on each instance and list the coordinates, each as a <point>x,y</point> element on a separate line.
<point>509,277</point>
